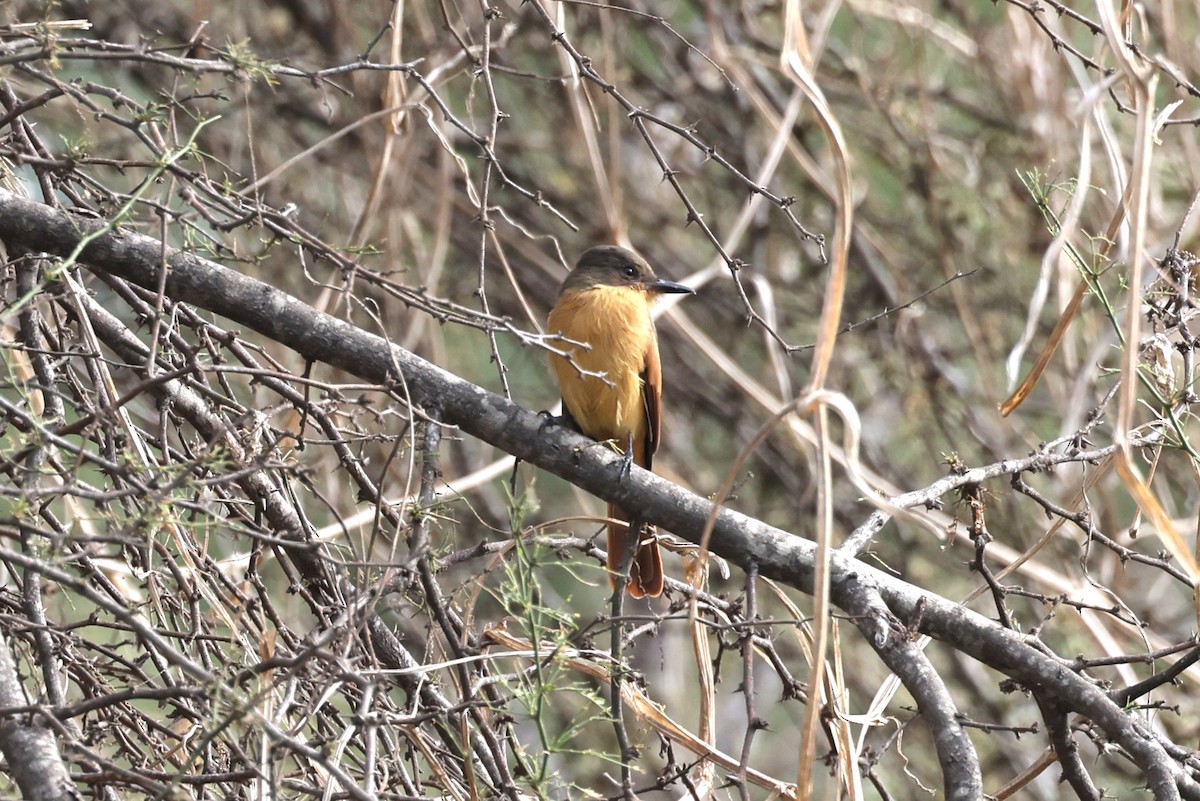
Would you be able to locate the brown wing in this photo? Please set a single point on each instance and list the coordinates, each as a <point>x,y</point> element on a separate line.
<point>646,574</point>
<point>652,401</point>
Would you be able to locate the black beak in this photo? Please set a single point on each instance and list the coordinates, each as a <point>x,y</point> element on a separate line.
<point>669,287</point>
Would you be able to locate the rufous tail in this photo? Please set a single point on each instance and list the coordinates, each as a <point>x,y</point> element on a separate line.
<point>646,574</point>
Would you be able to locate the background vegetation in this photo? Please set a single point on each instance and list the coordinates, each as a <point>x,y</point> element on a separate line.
<point>233,571</point>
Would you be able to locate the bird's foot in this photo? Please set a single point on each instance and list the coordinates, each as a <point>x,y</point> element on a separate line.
<point>548,419</point>
<point>627,460</point>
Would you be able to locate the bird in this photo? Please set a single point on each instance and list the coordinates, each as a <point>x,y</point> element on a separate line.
<point>605,302</point>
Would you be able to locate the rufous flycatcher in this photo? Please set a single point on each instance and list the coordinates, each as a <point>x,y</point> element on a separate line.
<point>605,302</point>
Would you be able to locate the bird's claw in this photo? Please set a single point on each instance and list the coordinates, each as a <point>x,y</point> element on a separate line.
<point>549,419</point>
<point>626,464</point>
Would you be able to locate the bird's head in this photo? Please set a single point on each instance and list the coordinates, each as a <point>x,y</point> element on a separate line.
<point>612,266</point>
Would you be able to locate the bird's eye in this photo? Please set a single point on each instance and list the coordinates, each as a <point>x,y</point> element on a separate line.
<point>629,271</point>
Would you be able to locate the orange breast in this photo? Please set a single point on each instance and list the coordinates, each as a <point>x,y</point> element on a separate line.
<point>615,322</point>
